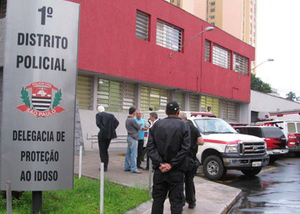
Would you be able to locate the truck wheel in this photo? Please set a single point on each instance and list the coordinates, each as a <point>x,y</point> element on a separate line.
<point>297,154</point>
<point>213,168</point>
<point>273,159</point>
<point>251,172</point>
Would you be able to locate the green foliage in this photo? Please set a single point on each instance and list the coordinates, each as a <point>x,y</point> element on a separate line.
<point>83,199</point>
<point>25,97</point>
<point>57,98</point>
<point>259,85</point>
<point>291,96</point>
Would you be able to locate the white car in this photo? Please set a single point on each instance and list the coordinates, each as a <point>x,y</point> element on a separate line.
<point>224,149</point>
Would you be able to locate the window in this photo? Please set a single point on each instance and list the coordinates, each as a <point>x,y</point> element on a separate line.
<point>180,98</point>
<point>210,104</point>
<point>168,36</point>
<point>229,111</point>
<point>240,64</point>
<point>212,10</point>
<point>213,3</point>
<point>115,96</point>
<point>194,102</point>
<point>3,4</point>
<point>154,98</point>
<point>291,127</point>
<point>85,92</point>
<point>298,127</point>
<point>142,26</point>
<point>212,17</point>
<point>221,56</point>
<point>207,50</point>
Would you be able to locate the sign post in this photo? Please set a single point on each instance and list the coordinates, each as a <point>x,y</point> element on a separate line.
<point>39,85</point>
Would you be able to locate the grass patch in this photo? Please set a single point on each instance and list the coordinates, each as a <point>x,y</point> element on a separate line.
<point>85,198</point>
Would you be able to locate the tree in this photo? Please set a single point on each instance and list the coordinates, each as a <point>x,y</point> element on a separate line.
<point>291,96</point>
<point>259,85</point>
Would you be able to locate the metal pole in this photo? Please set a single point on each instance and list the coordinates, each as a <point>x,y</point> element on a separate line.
<point>8,198</point>
<point>80,161</point>
<point>102,188</point>
<point>150,177</point>
<point>37,202</point>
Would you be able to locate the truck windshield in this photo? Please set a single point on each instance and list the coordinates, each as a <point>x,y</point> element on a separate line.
<point>214,126</point>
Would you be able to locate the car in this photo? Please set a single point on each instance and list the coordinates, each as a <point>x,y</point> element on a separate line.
<point>291,130</point>
<point>224,148</point>
<point>274,137</point>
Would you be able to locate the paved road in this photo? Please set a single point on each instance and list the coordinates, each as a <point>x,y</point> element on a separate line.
<point>275,190</point>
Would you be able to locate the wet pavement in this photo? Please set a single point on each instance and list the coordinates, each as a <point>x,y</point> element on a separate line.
<point>276,189</point>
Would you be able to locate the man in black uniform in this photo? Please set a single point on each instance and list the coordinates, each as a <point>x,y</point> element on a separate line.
<point>107,123</point>
<point>168,147</point>
<point>193,163</point>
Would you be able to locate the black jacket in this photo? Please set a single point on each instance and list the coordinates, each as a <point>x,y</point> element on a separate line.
<point>107,123</point>
<point>169,142</point>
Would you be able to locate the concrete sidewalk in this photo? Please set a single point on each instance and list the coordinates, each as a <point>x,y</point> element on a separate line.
<point>212,197</point>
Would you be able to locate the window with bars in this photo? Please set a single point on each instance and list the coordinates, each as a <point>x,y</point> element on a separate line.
<point>221,56</point>
<point>85,92</point>
<point>115,96</point>
<point>194,102</point>
<point>142,25</point>
<point>207,50</point>
<point>229,111</point>
<point>168,36</point>
<point>240,64</point>
<point>3,4</point>
<point>180,99</point>
<point>154,98</point>
<point>210,103</point>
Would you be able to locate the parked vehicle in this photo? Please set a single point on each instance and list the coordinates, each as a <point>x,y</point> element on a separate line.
<point>161,114</point>
<point>224,149</point>
<point>291,130</point>
<point>273,136</point>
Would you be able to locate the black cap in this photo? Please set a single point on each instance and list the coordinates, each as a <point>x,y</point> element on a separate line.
<point>172,106</point>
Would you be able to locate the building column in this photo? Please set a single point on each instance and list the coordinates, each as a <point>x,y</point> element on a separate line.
<point>95,93</point>
<point>187,101</point>
<point>245,113</point>
<point>138,95</point>
<point>172,95</point>
<point>199,103</point>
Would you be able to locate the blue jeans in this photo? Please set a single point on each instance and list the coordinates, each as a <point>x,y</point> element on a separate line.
<point>131,154</point>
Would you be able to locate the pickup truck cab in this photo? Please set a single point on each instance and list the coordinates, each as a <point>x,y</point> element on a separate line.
<point>224,148</point>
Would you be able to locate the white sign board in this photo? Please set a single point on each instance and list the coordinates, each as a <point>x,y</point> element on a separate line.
<point>39,84</point>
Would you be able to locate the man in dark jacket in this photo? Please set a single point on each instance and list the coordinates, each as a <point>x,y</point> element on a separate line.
<point>196,139</point>
<point>168,147</point>
<point>107,123</point>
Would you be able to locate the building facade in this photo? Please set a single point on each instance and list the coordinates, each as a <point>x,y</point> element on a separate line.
<point>134,53</point>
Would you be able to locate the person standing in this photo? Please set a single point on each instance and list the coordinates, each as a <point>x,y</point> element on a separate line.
<point>107,123</point>
<point>132,139</point>
<point>168,147</point>
<point>196,139</point>
<point>152,119</point>
<point>142,122</point>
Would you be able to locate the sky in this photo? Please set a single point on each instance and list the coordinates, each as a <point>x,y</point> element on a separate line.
<point>278,37</point>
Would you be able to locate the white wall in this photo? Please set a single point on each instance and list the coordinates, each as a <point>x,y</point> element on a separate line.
<point>262,102</point>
